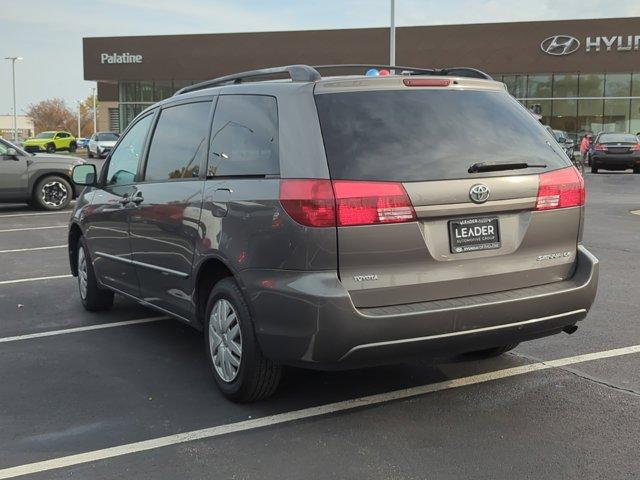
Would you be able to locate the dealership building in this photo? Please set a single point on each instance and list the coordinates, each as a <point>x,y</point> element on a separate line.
<point>583,74</point>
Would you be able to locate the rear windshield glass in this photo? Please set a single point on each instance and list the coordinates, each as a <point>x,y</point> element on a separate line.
<point>617,138</point>
<point>430,134</point>
<point>107,137</point>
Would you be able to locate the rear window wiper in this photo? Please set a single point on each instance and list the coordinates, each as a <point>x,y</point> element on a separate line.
<point>498,166</point>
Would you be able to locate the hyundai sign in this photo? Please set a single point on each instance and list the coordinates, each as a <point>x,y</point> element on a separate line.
<point>559,45</point>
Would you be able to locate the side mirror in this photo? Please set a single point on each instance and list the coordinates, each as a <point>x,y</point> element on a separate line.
<point>85,175</point>
<point>12,153</point>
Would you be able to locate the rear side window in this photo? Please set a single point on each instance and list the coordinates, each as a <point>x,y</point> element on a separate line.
<point>179,142</point>
<point>424,135</point>
<point>244,136</point>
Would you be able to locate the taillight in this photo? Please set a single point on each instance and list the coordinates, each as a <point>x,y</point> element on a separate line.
<point>322,203</point>
<point>309,202</point>
<point>560,189</point>
<point>368,203</point>
<point>600,148</point>
<point>636,147</point>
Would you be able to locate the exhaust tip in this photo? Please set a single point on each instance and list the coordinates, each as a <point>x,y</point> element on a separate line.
<point>570,329</point>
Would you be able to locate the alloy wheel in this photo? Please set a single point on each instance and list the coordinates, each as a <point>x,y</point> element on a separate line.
<point>225,340</point>
<point>82,273</point>
<point>54,193</point>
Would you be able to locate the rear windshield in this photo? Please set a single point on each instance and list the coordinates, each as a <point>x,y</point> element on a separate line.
<point>107,137</point>
<point>430,134</point>
<point>617,138</point>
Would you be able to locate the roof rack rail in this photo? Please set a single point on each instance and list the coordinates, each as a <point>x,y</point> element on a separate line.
<point>465,72</point>
<point>298,73</point>
<point>454,71</point>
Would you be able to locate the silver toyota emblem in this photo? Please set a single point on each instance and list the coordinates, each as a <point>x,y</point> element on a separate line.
<point>560,45</point>
<point>479,193</point>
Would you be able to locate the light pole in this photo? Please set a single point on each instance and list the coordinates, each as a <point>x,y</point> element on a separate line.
<point>392,35</point>
<point>15,119</point>
<point>79,126</point>
<point>95,122</point>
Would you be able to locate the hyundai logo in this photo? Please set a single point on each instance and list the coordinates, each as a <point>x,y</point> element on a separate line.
<point>479,193</point>
<point>560,45</point>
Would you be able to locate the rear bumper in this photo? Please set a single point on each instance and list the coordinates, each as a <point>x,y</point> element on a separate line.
<point>616,161</point>
<point>308,319</point>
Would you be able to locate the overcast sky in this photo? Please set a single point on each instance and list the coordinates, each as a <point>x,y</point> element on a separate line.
<point>49,34</point>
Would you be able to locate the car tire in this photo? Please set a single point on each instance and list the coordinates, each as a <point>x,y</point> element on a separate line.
<point>73,147</point>
<point>495,351</point>
<point>89,154</point>
<point>50,148</point>
<point>52,193</point>
<point>594,169</point>
<point>636,169</point>
<point>241,371</point>
<point>93,298</point>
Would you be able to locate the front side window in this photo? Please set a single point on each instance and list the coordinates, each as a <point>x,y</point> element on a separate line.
<point>244,137</point>
<point>124,161</point>
<point>179,142</point>
<point>45,135</point>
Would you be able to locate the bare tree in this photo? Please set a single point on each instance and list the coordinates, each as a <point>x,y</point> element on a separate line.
<point>52,114</point>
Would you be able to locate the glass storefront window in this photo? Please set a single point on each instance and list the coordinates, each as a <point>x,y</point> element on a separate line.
<point>616,115</point>
<point>129,92</point>
<point>162,90</point>
<point>565,85</point>
<point>590,116</point>
<point>543,106</point>
<point>617,85</point>
<point>129,111</point>
<point>516,84</point>
<point>635,85</point>
<point>634,120</point>
<point>564,116</point>
<point>591,85</point>
<point>146,92</point>
<point>539,86</point>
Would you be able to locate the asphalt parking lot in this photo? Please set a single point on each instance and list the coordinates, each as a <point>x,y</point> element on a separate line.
<point>127,394</point>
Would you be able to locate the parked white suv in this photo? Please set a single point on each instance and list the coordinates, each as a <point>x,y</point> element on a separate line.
<point>101,143</point>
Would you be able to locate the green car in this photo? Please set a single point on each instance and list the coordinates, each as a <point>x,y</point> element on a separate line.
<point>51,142</point>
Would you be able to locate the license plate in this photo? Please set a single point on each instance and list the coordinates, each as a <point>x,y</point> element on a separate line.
<point>474,234</point>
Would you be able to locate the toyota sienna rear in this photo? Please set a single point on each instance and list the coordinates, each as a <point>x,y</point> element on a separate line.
<point>349,221</point>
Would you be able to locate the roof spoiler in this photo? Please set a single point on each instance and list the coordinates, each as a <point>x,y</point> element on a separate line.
<point>451,71</point>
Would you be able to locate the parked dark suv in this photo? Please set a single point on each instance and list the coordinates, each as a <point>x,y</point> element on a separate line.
<point>337,222</point>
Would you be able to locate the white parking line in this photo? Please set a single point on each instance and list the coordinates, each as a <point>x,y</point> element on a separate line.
<point>68,212</point>
<point>16,250</point>
<point>286,417</point>
<point>33,279</point>
<point>88,328</point>
<point>24,229</point>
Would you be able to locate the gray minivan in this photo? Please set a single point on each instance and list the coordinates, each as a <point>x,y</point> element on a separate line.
<point>337,222</point>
